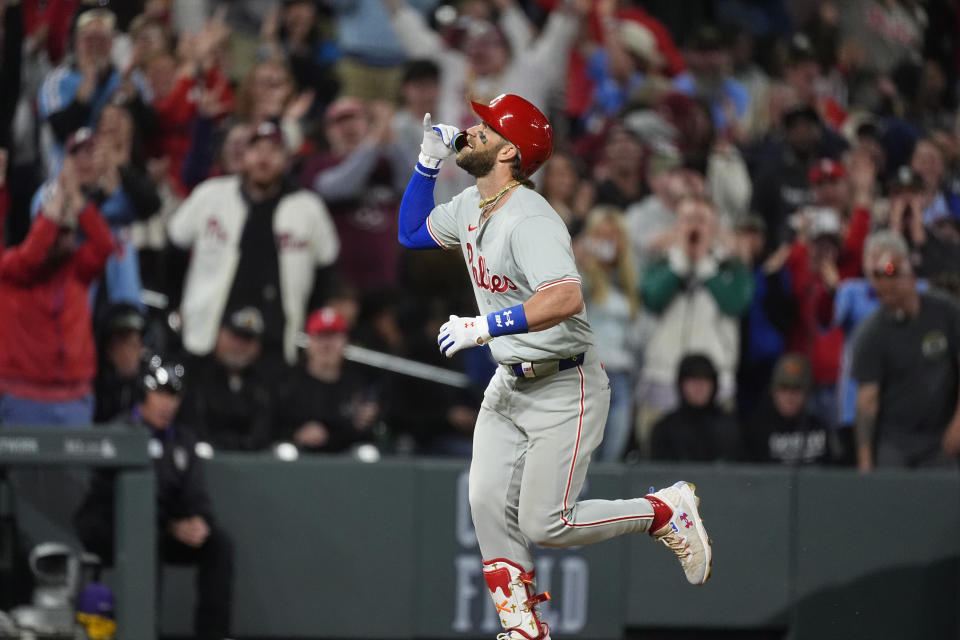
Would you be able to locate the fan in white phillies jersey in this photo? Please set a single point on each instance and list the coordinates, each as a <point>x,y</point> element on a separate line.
<point>544,411</point>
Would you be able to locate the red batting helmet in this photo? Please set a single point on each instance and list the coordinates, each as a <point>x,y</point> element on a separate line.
<point>523,125</point>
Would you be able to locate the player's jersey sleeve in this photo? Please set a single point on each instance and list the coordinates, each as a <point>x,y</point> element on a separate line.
<point>443,223</point>
<point>543,253</point>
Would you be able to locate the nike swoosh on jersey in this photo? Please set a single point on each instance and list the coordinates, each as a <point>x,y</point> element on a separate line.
<point>472,227</point>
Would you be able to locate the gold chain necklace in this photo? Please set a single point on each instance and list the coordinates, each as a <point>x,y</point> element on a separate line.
<point>488,203</point>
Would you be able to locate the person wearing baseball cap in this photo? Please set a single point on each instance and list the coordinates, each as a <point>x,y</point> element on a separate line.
<point>828,249</point>
<point>255,240</point>
<point>230,401</point>
<point>782,429</point>
<point>328,405</point>
<point>121,346</point>
<point>187,531</point>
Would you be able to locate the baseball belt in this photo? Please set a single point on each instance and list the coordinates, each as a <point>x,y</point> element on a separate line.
<point>544,368</point>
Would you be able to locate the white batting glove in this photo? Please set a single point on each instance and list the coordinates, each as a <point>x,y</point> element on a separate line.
<point>463,333</point>
<point>437,142</point>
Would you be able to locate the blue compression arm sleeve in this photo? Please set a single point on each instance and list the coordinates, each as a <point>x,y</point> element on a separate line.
<point>416,205</point>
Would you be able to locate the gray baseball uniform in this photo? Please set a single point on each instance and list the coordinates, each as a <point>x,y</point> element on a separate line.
<point>535,433</point>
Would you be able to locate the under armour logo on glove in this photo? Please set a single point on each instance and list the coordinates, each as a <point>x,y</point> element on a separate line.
<point>453,337</point>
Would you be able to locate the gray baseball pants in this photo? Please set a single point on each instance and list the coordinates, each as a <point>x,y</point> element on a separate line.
<point>531,449</point>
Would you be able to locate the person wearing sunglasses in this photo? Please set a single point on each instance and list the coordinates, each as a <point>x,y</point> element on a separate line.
<point>906,361</point>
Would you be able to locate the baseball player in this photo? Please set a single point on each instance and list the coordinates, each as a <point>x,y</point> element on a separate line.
<point>544,410</point>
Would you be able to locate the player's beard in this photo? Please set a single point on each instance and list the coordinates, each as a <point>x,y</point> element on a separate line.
<point>478,162</point>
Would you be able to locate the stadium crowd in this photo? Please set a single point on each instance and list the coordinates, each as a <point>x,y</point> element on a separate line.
<point>764,200</point>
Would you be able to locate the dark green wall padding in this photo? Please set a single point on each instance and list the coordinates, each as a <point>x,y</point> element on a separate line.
<point>331,547</point>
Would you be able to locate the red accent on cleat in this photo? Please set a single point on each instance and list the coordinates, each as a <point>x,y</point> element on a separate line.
<point>661,513</point>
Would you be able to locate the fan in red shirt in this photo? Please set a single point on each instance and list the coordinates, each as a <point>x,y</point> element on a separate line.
<point>828,249</point>
<point>47,353</point>
<point>188,86</point>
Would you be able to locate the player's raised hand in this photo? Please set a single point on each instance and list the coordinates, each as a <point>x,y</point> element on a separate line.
<point>437,142</point>
<point>463,333</point>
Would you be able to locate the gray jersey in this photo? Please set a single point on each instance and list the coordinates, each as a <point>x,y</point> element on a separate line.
<point>524,247</point>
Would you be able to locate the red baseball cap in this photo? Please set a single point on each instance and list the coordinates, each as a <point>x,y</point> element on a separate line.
<point>826,169</point>
<point>325,320</point>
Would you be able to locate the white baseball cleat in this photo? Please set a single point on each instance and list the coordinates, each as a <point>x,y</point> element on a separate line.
<point>684,533</point>
<point>515,635</point>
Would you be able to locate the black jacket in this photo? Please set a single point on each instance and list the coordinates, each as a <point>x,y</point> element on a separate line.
<point>181,490</point>
<point>770,437</point>
<point>115,395</point>
<point>307,399</point>
<point>696,434</point>
<point>232,413</point>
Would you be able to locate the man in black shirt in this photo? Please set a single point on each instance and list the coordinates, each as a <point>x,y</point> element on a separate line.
<point>782,429</point>
<point>906,362</point>
<point>228,401</point>
<point>188,533</point>
<point>328,406</point>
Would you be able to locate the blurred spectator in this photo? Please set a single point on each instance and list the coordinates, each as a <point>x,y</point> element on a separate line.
<point>256,242</point>
<point>773,311</point>
<point>371,48</point>
<point>228,401</point>
<point>610,291</point>
<point>268,94</point>
<point>906,360</point>
<point>650,222</point>
<point>489,59</point>
<point>626,62</point>
<point>187,531</point>
<point>47,353</point>
<point>782,429</point>
<point>782,166</point>
<point>714,157</point>
<point>121,189</point>
<point>890,30</point>
<point>728,182</point>
<point>709,78</point>
<point>120,352</point>
<point>73,95</point>
<point>292,31</point>
<point>567,188</point>
<point>855,301</point>
<point>698,430</point>
<point>205,160</point>
<point>619,175</point>
<point>327,406</point>
<point>48,26</point>
<point>191,93</point>
<point>362,179</point>
<point>419,92</point>
<point>804,83</point>
<point>828,249</point>
<point>698,294</point>
<point>921,213</point>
